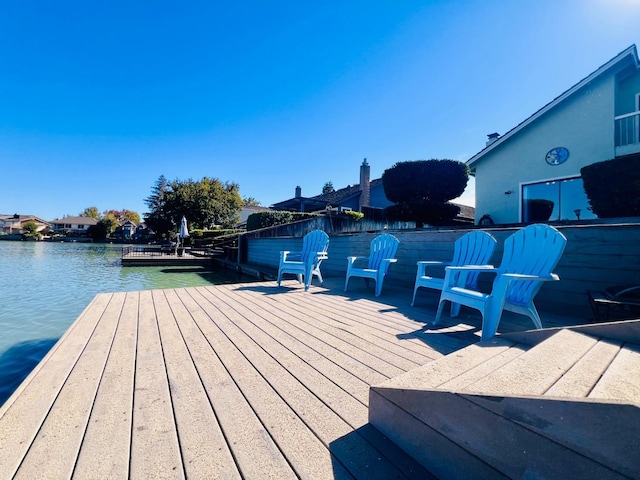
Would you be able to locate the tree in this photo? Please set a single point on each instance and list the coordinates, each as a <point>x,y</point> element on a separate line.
<point>422,189</point>
<point>30,230</point>
<point>250,202</point>
<point>124,215</point>
<point>205,203</point>
<point>156,218</point>
<point>328,188</point>
<point>91,212</point>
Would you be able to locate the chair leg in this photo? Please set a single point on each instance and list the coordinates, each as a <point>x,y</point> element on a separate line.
<point>439,312</point>
<point>378,287</point>
<point>279,277</point>
<point>490,319</point>
<point>346,282</point>
<point>415,290</point>
<point>455,309</point>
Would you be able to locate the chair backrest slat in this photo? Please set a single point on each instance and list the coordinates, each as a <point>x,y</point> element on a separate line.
<point>383,246</point>
<point>314,242</point>
<point>473,248</point>
<point>532,250</point>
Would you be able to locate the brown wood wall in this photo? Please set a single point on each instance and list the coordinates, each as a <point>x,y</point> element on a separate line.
<point>596,256</point>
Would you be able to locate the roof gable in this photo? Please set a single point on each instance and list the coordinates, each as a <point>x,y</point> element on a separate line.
<point>629,53</point>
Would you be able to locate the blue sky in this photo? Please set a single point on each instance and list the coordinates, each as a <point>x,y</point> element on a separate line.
<point>99,98</point>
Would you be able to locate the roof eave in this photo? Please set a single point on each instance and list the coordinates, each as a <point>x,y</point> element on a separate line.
<point>611,63</point>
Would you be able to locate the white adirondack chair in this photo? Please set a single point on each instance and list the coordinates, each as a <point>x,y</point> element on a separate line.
<point>528,259</point>
<point>305,263</point>
<point>381,256</point>
<point>474,248</point>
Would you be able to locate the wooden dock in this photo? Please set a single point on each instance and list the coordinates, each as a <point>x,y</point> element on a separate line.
<point>244,381</point>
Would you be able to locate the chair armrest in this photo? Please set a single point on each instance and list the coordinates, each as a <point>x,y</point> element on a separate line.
<point>352,260</point>
<point>423,265</point>
<point>519,276</point>
<point>456,276</point>
<point>471,268</point>
<point>287,255</point>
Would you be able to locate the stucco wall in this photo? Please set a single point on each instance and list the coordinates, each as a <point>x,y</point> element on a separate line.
<point>626,92</point>
<point>584,124</point>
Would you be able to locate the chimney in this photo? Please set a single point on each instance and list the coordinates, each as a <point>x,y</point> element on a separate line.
<point>492,137</point>
<point>365,186</point>
<point>298,192</point>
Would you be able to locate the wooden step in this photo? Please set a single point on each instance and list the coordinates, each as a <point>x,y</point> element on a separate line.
<point>512,412</point>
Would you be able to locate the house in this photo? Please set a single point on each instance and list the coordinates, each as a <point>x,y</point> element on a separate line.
<point>540,159</point>
<point>73,225</point>
<point>247,210</point>
<point>13,224</point>
<point>367,193</point>
<point>366,196</point>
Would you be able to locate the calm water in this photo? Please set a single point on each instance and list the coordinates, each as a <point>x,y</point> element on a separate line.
<point>45,286</point>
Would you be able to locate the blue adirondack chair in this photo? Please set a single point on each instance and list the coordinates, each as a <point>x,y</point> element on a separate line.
<point>305,263</point>
<point>381,256</point>
<point>528,259</point>
<point>473,248</point>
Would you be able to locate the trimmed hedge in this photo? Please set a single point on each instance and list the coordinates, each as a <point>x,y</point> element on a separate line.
<point>434,180</point>
<point>430,213</point>
<point>422,189</point>
<point>613,186</point>
<point>272,218</point>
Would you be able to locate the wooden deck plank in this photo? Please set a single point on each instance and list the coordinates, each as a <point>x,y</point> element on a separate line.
<point>302,448</point>
<point>340,317</point>
<point>23,413</point>
<point>234,381</point>
<point>355,335</point>
<point>622,378</point>
<point>581,379</point>
<point>326,410</point>
<point>202,445</point>
<point>380,359</point>
<point>304,375</point>
<point>270,311</point>
<point>107,442</point>
<point>153,420</point>
<point>260,317</point>
<point>63,429</point>
<point>387,328</point>
<point>254,450</point>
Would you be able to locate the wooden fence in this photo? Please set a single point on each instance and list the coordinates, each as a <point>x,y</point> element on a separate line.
<point>597,256</point>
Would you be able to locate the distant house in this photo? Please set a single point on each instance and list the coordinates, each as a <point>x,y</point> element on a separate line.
<point>13,224</point>
<point>73,225</point>
<point>540,159</point>
<point>128,229</point>
<point>247,210</point>
<point>366,195</point>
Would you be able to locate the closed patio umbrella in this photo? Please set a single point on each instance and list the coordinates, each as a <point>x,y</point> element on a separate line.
<point>184,230</point>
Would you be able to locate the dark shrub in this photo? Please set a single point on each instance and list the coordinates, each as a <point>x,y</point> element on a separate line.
<point>423,212</point>
<point>422,189</point>
<point>538,209</point>
<point>272,218</point>
<point>434,180</point>
<point>613,186</point>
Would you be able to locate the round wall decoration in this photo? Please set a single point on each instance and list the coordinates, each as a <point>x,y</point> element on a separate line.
<point>557,156</point>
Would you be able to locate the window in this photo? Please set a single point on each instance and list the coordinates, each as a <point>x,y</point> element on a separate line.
<point>560,199</point>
